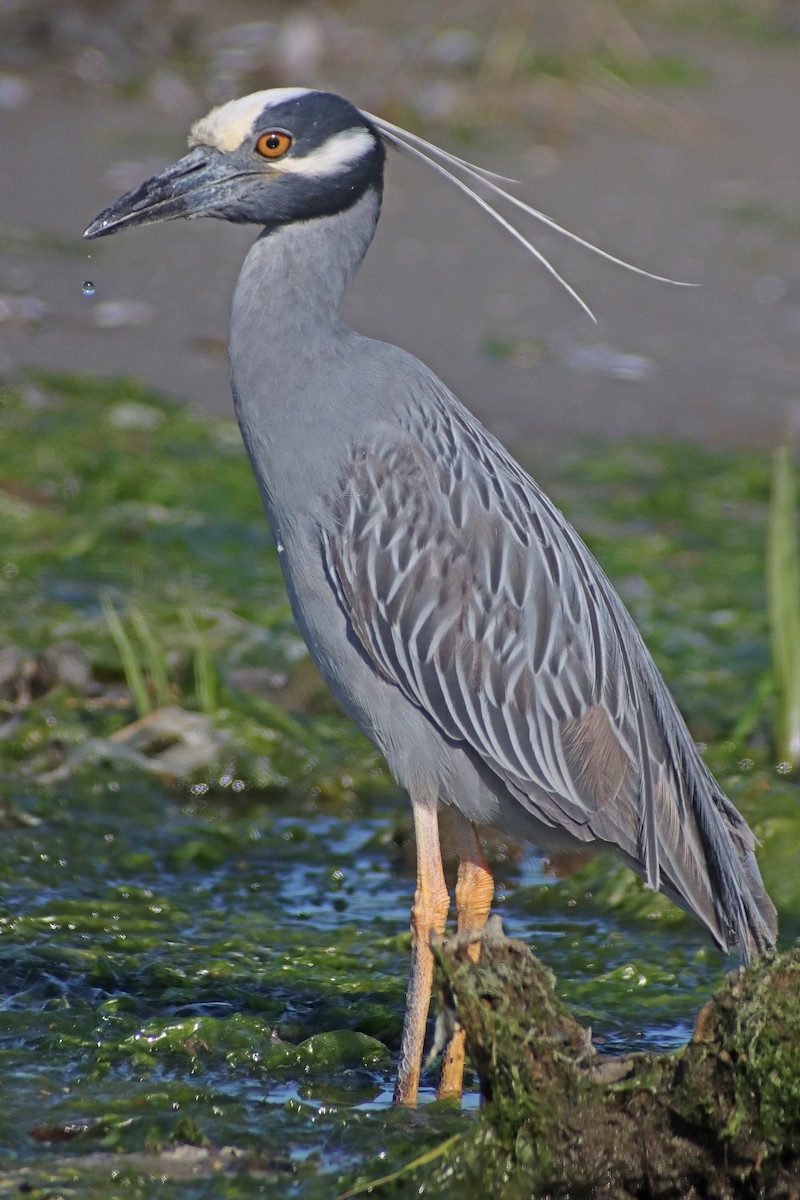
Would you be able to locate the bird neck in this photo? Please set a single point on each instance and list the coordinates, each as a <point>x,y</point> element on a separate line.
<point>290,289</point>
<point>287,340</point>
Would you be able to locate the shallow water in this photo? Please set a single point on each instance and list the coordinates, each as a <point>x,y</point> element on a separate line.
<point>234,974</point>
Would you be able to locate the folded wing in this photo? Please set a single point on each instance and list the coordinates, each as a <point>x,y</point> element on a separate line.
<point>471,593</point>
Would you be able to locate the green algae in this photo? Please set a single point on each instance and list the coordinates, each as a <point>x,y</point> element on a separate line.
<point>144,990</point>
<point>719,1118</point>
<point>741,1073</point>
<point>203,972</point>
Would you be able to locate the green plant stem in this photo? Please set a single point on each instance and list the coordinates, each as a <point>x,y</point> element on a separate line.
<point>783,600</point>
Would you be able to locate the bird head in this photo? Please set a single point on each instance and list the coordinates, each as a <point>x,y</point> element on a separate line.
<point>292,154</point>
<point>271,158</point>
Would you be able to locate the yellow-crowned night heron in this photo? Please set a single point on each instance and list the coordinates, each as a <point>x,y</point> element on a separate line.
<point>454,613</point>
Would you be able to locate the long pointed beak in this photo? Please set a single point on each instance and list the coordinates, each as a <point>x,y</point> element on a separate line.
<point>197,185</point>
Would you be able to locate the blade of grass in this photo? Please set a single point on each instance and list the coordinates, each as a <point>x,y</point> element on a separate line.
<point>134,676</point>
<point>783,602</point>
<point>154,658</point>
<point>274,717</point>
<point>205,675</point>
<point>421,1161</point>
<point>753,711</point>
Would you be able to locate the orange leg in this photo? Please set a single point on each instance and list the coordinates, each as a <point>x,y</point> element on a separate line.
<point>474,893</point>
<point>428,917</point>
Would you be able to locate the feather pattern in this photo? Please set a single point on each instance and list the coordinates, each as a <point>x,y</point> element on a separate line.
<point>471,593</point>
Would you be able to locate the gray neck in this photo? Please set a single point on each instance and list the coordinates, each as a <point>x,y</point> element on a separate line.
<point>288,345</point>
<point>286,302</point>
<point>287,339</point>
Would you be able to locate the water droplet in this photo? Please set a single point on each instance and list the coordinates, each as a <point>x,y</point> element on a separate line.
<point>88,288</point>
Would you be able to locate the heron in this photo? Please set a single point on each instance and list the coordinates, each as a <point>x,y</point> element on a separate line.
<point>452,610</point>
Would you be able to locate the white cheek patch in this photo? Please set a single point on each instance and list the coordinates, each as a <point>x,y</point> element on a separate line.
<point>226,127</point>
<point>332,157</point>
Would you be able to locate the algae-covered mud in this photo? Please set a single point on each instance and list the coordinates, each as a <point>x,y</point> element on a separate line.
<point>205,873</point>
<point>720,1118</point>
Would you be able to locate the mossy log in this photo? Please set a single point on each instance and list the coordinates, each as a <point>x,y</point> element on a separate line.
<point>720,1119</point>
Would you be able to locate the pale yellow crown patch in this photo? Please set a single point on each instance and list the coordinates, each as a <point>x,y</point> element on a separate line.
<point>227,126</point>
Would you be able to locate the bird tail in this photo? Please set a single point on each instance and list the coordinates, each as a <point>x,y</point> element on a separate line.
<point>728,896</point>
<point>744,912</point>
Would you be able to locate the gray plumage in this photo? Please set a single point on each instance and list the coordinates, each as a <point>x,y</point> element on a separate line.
<point>452,610</point>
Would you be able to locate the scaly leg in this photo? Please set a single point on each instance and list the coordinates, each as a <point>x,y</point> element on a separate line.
<point>428,916</point>
<point>474,893</point>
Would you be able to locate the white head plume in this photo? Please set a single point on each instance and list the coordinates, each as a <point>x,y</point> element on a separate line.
<point>447,165</point>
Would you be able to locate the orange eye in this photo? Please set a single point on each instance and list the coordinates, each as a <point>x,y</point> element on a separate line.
<point>273,144</point>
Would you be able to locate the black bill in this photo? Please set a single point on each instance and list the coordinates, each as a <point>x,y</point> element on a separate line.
<point>195,186</point>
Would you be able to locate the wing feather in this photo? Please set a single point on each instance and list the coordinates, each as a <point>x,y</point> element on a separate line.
<point>467,589</point>
<point>458,582</point>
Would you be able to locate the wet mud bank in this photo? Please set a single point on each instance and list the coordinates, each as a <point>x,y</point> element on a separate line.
<point>719,1119</point>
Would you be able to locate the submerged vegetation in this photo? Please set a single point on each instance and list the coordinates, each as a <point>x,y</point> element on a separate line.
<point>205,872</point>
